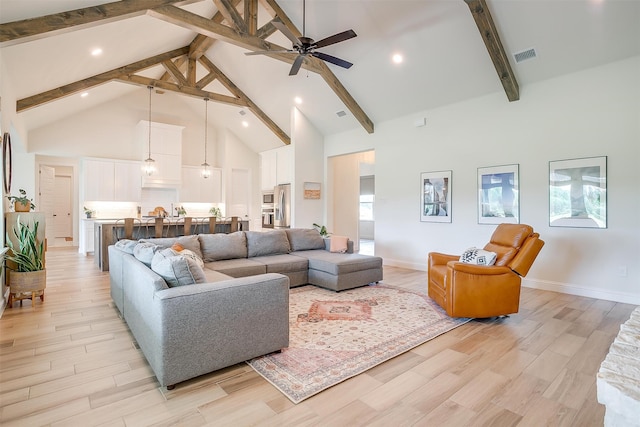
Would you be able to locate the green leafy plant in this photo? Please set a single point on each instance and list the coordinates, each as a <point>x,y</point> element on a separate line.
<point>321,229</point>
<point>214,211</point>
<point>22,198</point>
<point>88,211</point>
<point>29,255</point>
<point>181,211</point>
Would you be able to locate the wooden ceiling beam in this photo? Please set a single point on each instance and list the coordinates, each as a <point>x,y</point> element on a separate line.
<point>251,16</point>
<point>491,39</point>
<point>266,30</point>
<point>99,79</point>
<point>231,14</point>
<point>176,74</point>
<point>26,30</point>
<point>193,22</point>
<point>235,90</point>
<point>184,90</point>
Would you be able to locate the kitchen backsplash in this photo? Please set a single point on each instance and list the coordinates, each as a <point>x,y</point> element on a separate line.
<point>151,198</point>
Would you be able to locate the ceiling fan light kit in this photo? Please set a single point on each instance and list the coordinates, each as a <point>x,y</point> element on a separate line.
<point>304,46</point>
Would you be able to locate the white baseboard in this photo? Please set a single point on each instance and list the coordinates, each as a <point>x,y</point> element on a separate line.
<point>567,288</point>
<point>545,285</point>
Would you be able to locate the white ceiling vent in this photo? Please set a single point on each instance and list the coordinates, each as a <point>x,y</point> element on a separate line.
<point>341,113</point>
<point>525,55</point>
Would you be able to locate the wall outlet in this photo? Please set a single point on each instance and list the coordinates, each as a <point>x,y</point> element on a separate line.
<point>622,271</point>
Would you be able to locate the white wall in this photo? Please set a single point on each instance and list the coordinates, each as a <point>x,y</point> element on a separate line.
<point>591,113</point>
<point>308,149</point>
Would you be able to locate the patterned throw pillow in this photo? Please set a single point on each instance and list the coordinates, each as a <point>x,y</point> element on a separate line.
<point>478,257</point>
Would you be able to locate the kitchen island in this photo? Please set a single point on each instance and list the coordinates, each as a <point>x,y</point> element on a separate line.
<point>106,231</point>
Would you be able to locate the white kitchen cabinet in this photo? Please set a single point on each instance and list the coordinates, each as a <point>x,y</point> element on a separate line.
<point>166,150</point>
<point>196,189</point>
<point>110,180</point>
<point>98,179</point>
<point>268,160</point>
<point>86,236</point>
<point>276,167</point>
<point>284,165</point>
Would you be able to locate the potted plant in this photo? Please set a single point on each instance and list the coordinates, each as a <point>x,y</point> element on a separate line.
<point>21,203</point>
<point>181,211</point>
<point>26,271</point>
<point>214,211</point>
<point>322,229</point>
<point>88,212</point>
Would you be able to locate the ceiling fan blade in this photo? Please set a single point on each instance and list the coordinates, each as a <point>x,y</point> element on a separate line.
<point>336,38</point>
<point>286,31</point>
<point>296,65</point>
<point>268,52</point>
<point>337,61</point>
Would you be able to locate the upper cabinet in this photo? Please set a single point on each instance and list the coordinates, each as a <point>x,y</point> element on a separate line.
<point>111,180</point>
<point>166,150</point>
<point>196,189</point>
<point>276,167</point>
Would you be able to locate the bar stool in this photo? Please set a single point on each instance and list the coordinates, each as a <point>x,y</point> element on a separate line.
<point>127,228</point>
<point>212,224</point>
<point>186,223</point>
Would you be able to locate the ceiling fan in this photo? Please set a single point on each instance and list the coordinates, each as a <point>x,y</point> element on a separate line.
<point>304,46</point>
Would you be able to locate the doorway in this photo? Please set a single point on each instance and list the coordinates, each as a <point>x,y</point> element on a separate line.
<point>343,198</point>
<point>56,202</point>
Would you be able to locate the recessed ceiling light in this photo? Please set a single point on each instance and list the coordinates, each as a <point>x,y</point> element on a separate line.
<point>297,100</point>
<point>96,52</point>
<point>245,123</point>
<point>397,58</point>
<point>84,94</point>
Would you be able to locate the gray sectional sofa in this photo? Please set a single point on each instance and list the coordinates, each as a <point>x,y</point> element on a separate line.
<point>238,306</point>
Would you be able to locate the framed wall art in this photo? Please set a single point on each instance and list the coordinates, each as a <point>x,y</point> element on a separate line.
<point>578,193</point>
<point>312,190</point>
<point>435,196</point>
<point>499,195</point>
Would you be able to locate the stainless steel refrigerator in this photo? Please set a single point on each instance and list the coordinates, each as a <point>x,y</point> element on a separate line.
<point>282,206</point>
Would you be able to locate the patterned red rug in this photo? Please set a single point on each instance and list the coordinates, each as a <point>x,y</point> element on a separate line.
<point>335,336</point>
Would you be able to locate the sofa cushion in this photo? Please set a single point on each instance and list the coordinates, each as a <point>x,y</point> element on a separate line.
<point>145,251</point>
<point>215,276</point>
<point>338,244</point>
<point>284,263</point>
<point>188,242</point>
<point>217,247</point>
<point>337,264</point>
<point>240,267</point>
<point>478,257</point>
<point>267,243</point>
<point>126,245</point>
<point>304,239</point>
<point>178,270</point>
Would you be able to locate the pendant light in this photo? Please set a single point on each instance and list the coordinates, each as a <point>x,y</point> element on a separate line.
<point>206,172</point>
<point>149,163</point>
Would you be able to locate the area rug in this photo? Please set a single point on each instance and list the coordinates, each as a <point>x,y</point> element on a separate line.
<point>335,336</point>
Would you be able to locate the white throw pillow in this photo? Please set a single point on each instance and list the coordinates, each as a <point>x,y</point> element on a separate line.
<point>478,257</point>
<point>339,244</point>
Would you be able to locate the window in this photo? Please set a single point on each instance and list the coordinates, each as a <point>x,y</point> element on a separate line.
<point>366,207</point>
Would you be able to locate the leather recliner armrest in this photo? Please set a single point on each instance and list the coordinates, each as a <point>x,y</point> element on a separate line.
<point>436,258</point>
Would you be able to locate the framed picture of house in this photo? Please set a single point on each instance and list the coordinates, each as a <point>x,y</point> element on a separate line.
<point>435,196</point>
<point>578,193</point>
<point>499,195</point>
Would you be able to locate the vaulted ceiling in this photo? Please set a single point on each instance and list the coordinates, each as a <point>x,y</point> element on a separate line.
<point>195,49</point>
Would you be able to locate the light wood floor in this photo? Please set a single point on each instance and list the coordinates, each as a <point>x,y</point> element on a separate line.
<point>71,361</point>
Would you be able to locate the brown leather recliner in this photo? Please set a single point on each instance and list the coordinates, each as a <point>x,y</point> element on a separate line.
<point>468,290</point>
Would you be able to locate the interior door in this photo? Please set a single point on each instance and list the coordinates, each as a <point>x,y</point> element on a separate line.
<point>45,202</point>
<point>62,208</point>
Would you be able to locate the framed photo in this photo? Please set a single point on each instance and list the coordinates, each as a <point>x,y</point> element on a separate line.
<point>435,196</point>
<point>499,195</point>
<point>578,193</point>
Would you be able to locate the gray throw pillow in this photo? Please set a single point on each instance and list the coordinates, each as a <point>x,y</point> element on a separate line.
<point>267,243</point>
<point>217,247</point>
<point>305,239</point>
<point>145,251</point>
<point>178,270</point>
<point>126,245</point>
